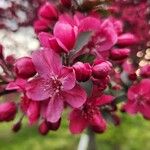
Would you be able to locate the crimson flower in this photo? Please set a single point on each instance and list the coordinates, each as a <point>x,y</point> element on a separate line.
<point>89,115</point>
<point>55,83</point>
<point>139,99</point>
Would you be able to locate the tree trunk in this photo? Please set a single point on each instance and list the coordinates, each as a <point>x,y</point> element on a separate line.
<point>92,140</point>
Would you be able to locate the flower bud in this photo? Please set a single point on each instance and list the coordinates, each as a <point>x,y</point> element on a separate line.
<point>145,71</point>
<point>43,128</point>
<point>116,119</point>
<point>8,111</point>
<point>101,69</point>
<point>119,54</point>
<point>24,68</point>
<point>54,126</point>
<point>42,25</point>
<point>83,71</point>
<point>1,51</point>
<point>127,39</point>
<point>48,11</point>
<point>16,127</point>
<point>132,76</point>
<point>66,3</point>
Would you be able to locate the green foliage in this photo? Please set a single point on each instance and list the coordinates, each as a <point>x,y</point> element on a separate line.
<point>132,134</point>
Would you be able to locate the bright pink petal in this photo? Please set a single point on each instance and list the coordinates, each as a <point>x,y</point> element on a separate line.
<point>89,24</point>
<point>44,38</point>
<point>33,112</point>
<point>47,62</point>
<point>65,33</point>
<point>108,39</point>
<point>77,122</point>
<point>35,90</point>
<point>103,100</point>
<point>75,97</point>
<point>54,109</point>
<point>131,107</point>
<point>145,110</point>
<point>68,78</point>
<point>98,123</point>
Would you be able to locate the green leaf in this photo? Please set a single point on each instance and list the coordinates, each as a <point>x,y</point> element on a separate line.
<point>85,58</point>
<point>82,40</point>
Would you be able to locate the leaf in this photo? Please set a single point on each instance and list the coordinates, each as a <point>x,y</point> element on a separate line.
<point>120,99</point>
<point>88,85</point>
<point>82,40</point>
<point>85,58</point>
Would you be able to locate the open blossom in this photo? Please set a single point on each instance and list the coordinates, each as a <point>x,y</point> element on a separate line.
<point>89,115</point>
<point>139,99</point>
<point>55,83</point>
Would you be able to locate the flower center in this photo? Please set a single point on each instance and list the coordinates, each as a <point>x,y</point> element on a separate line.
<point>89,111</point>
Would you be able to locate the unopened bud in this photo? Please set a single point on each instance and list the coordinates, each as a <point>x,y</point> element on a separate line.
<point>66,3</point>
<point>24,68</point>
<point>48,11</point>
<point>145,71</point>
<point>101,70</point>
<point>43,128</point>
<point>119,54</point>
<point>83,71</point>
<point>1,51</point>
<point>8,111</point>
<point>16,127</point>
<point>127,39</point>
<point>54,126</point>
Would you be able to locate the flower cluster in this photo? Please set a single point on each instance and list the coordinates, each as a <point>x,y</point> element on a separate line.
<point>82,65</point>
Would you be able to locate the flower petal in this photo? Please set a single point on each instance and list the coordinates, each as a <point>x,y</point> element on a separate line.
<point>68,78</point>
<point>145,110</point>
<point>65,33</point>
<point>103,100</point>
<point>75,97</point>
<point>98,123</point>
<point>35,90</point>
<point>77,122</point>
<point>54,109</point>
<point>131,107</point>
<point>47,62</point>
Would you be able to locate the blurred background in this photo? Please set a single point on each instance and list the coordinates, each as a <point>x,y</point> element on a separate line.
<point>132,134</point>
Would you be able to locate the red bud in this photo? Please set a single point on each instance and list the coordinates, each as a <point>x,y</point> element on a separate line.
<point>66,3</point>
<point>119,54</point>
<point>16,127</point>
<point>43,128</point>
<point>8,111</point>
<point>24,68</point>
<point>101,69</point>
<point>48,11</point>
<point>145,71</point>
<point>83,71</point>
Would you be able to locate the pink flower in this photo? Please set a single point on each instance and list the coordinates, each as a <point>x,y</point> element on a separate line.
<point>24,68</point>
<point>89,115</point>
<point>8,111</point>
<point>54,83</point>
<point>139,99</point>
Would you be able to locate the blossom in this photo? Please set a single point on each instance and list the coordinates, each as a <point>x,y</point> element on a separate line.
<point>89,115</point>
<point>139,98</point>
<point>55,83</point>
<point>8,111</point>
